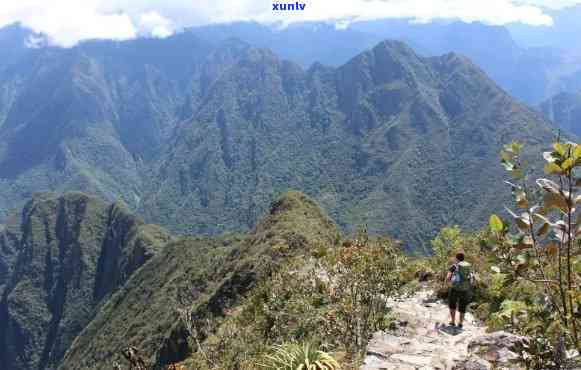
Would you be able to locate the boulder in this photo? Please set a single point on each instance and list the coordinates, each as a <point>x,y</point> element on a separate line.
<point>499,348</point>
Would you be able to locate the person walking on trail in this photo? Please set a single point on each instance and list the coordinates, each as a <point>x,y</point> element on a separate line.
<point>461,278</point>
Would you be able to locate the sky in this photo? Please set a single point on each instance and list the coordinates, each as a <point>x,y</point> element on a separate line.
<point>67,22</point>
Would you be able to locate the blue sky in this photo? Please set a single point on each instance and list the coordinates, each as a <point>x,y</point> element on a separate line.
<point>69,21</point>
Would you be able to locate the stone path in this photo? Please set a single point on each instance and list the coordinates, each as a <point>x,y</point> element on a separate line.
<point>426,341</point>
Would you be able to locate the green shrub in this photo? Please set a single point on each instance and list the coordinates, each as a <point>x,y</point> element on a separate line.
<point>295,356</point>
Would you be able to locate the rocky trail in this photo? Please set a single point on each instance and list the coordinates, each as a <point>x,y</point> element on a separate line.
<point>425,341</point>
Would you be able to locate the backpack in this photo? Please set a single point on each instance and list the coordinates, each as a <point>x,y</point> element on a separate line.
<point>463,278</point>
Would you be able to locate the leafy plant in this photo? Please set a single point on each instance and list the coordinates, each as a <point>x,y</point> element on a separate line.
<point>543,246</point>
<point>363,273</point>
<point>295,356</point>
<point>446,242</point>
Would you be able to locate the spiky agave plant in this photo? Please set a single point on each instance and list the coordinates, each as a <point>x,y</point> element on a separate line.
<point>294,356</point>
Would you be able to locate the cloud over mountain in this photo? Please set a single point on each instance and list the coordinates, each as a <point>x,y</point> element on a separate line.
<point>68,21</point>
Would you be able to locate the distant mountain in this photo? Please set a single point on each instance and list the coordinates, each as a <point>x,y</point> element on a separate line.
<point>60,258</point>
<point>529,74</point>
<point>201,137</point>
<point>304,43</point>
<point>564,110</point>
<point>92,118</point>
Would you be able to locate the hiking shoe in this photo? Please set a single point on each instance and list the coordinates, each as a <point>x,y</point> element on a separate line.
<point>451,324</point>
<point>459,326</point>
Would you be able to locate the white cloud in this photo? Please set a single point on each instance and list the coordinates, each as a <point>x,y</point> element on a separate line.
<point>154,24</point>
<point>68,21</point>
<point>553,4</point>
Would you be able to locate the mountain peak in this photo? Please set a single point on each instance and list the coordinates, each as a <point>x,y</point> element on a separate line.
<point>390,60</point>
<point>295,216</point>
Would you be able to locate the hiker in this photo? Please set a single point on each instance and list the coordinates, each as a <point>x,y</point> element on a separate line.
<point>461,278</point>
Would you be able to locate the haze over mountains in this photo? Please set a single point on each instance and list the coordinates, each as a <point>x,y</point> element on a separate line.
<point>206,133</point>
<point>529,73</point>
<point>200,137</point>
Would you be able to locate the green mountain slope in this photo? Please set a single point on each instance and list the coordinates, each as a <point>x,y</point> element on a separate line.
<point>59,259</point>
<point>207,275</point>
<point>564,110</point>
<point>401,143</point>
<point>201,138</point>
<point>92,118</point>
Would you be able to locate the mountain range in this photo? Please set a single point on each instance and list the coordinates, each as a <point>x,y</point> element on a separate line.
<point>144,178</point>
<point>530,74</point>
<point>200,137</point>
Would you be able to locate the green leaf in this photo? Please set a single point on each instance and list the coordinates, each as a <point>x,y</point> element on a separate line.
<point>577,152</point>
<point>515,147</point>
<point>552,168</point>
<point>509,308</point>
<point>506,156</point>
<point>568,164</point>
<point>559,148</point>
<point>496,223</point>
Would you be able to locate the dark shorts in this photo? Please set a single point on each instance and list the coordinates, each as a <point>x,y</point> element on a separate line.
<point>458,299</point>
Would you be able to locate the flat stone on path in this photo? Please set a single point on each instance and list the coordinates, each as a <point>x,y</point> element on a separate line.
<point>427,343</point>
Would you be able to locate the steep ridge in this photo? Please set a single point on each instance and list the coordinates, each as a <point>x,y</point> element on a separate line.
<point>401,143</point>
<point>207,275</point>
<point>59,259</point>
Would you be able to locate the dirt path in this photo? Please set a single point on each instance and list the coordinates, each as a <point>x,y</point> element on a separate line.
<point>427,342</point>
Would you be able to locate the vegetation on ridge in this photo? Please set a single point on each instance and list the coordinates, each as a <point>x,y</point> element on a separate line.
<point>66,255</point>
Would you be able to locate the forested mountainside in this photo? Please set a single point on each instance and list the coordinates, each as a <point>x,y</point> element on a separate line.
<point>60,258</point>
<point>564,110</point>
<point>70,266</point>
<point>200,138</point>
<point>530,74</point>
<point>123,291</point>
<point>208,277</point>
